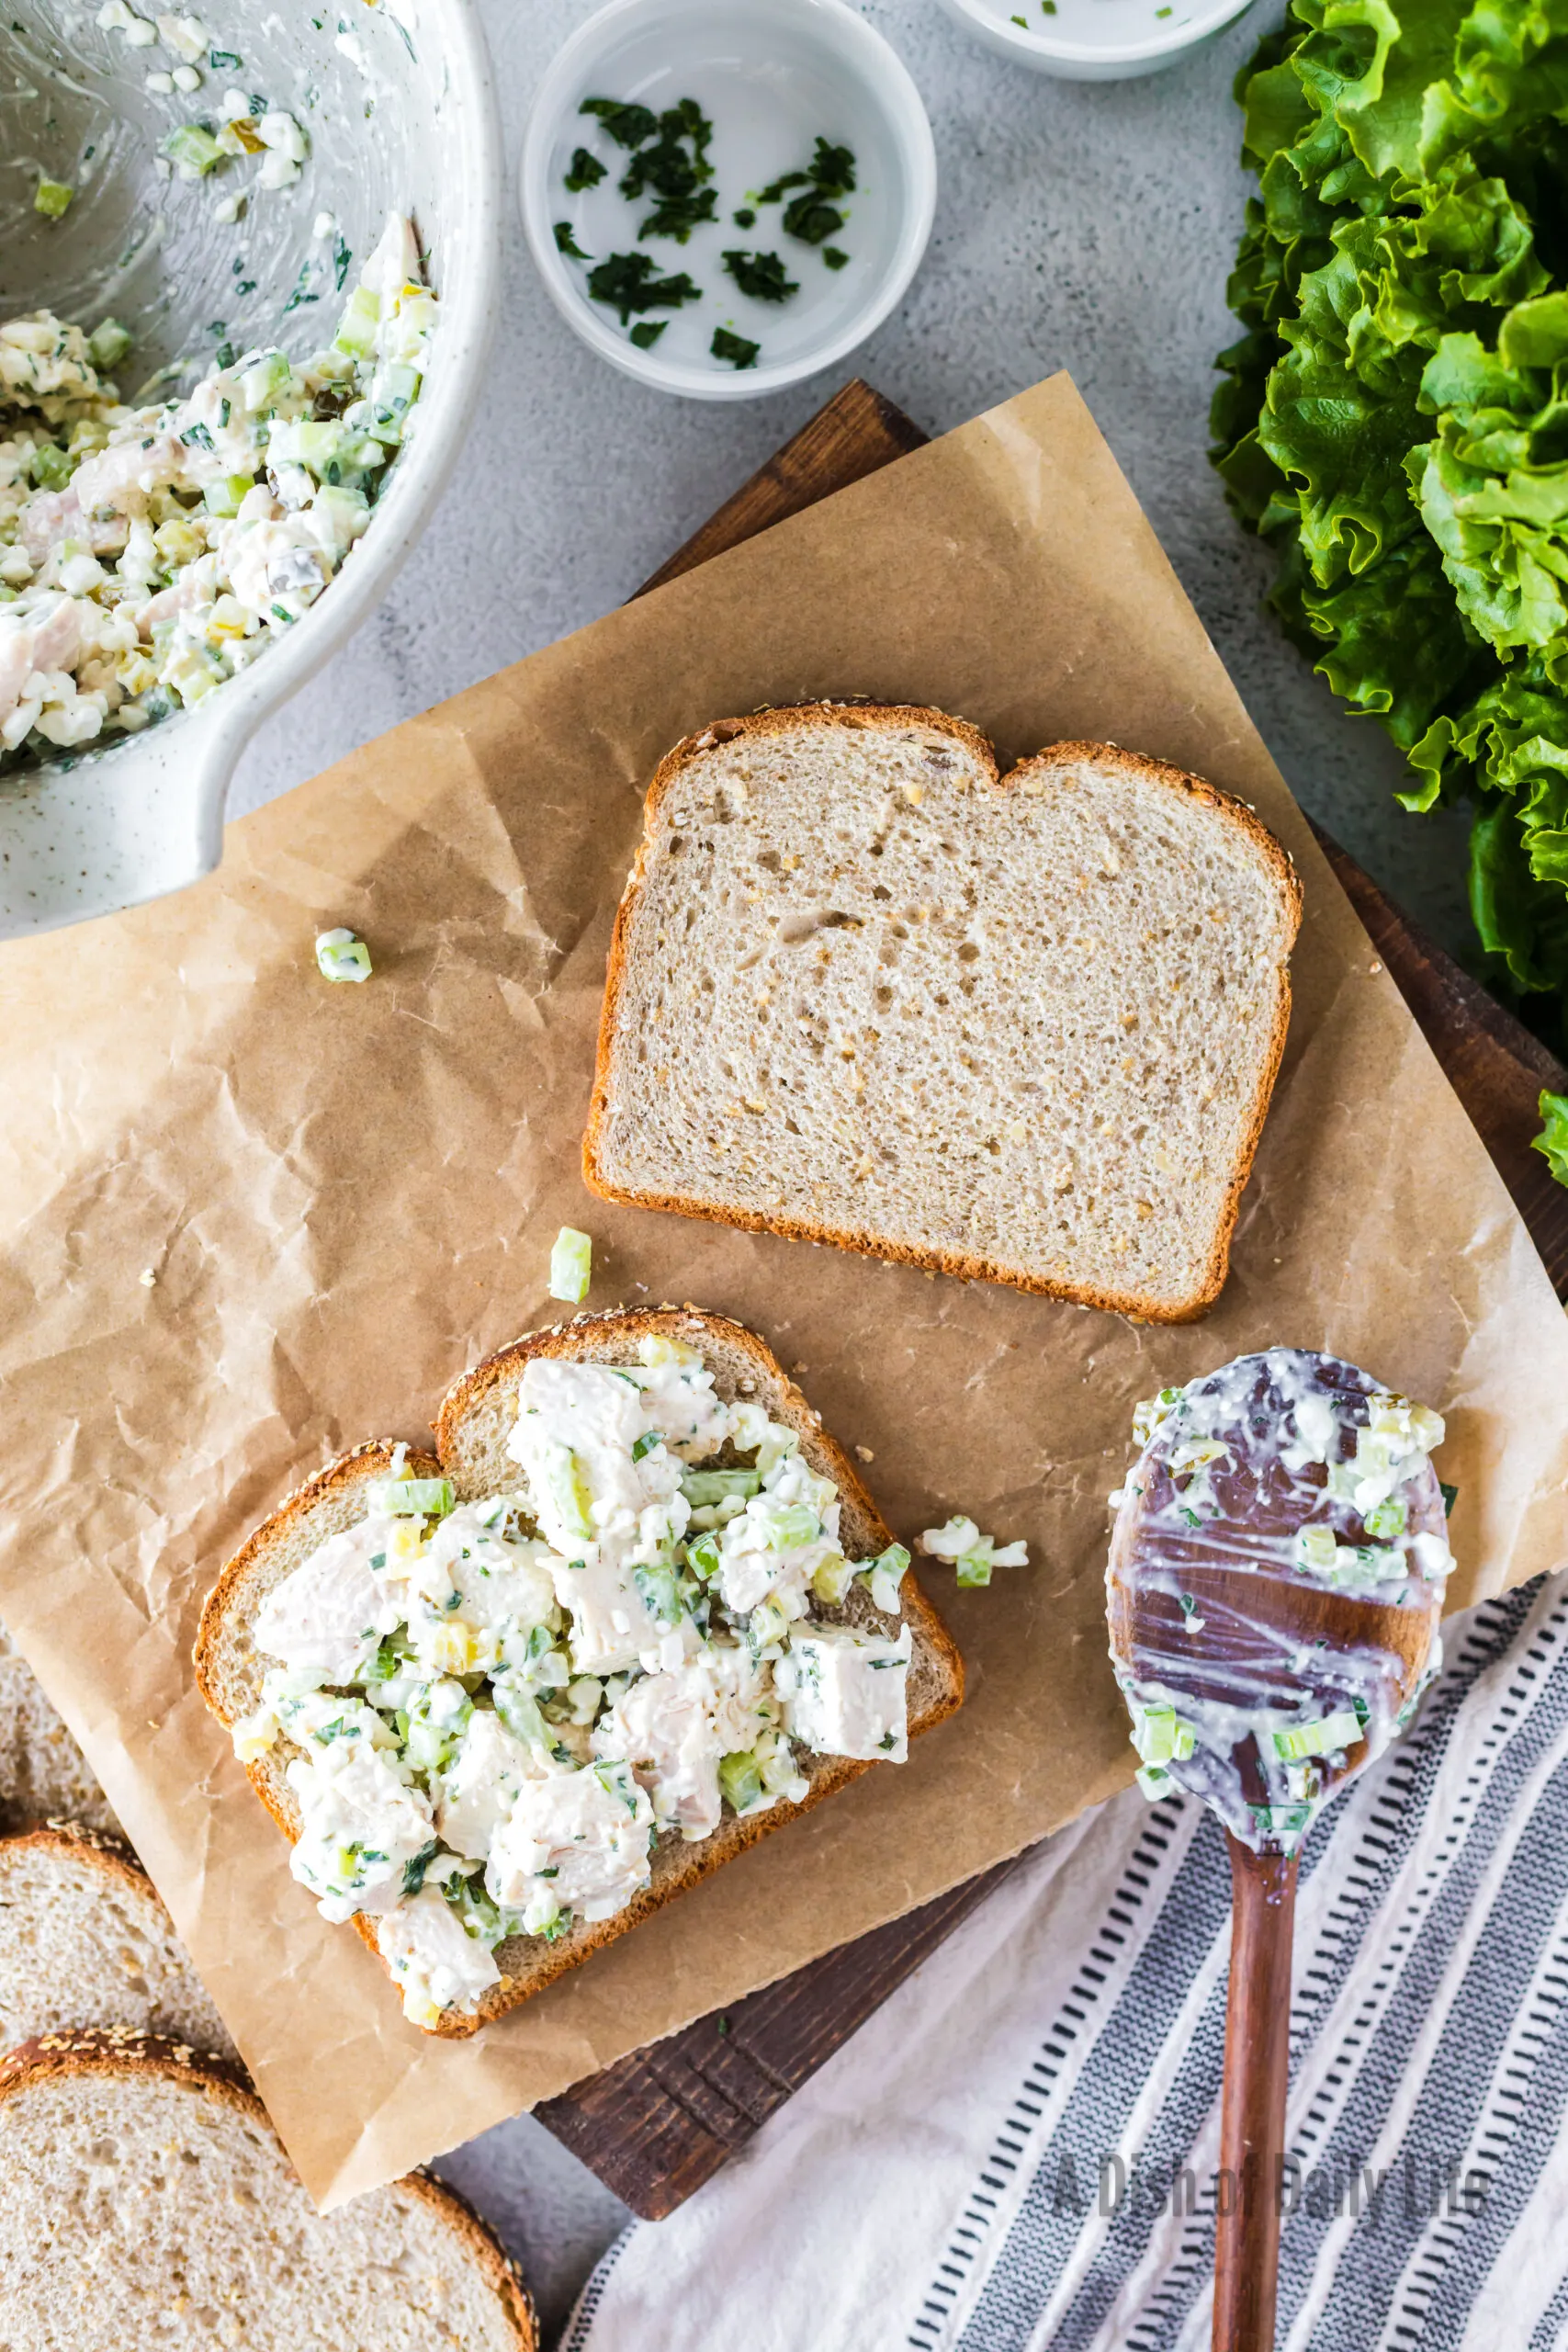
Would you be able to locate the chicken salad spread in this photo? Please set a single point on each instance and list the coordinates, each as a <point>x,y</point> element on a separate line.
<point>149,553</point>
<point>498,1706</point>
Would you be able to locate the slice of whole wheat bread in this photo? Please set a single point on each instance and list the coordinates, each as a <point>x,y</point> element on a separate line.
<point>864,989</point>
<point>147,2201</point>
<point>85,1939</point>
<point>44,1774</point>
<point>472,1427</point>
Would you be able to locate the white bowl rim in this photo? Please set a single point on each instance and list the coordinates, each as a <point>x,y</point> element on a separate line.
<point>905,113</point>
<point>1026,43</point>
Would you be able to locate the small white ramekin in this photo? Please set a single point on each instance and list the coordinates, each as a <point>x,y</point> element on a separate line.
<point>756,66</point>
<point>1095,40</point>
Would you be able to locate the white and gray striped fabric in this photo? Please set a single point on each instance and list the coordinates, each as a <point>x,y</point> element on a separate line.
<point>1018,2152</point>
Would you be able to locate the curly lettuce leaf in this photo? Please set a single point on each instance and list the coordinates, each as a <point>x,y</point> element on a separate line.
<point>1394,420</point>
<point>1553,1137</point>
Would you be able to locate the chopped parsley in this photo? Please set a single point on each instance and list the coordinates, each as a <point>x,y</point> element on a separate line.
<point>745,218</point>
<point>586,171</point>
<point>761,276</point>
<point>629,126</point>
<point>677,216</point>
<point>646,332</point>
<point>835,256</point>
<point>813,216</point>
<point>413,1872</point>
<point>300,297</point>
<point>676,168</point>
<point>630,282</point>
<point>736,348</point>
<point>565,242</point>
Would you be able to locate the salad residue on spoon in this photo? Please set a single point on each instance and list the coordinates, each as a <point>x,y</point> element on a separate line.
<point>1276,1576</point>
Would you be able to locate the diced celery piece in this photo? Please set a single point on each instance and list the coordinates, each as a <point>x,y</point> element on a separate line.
<point>362,454</point>
<point>660,1593</point>
<point>1160,1737</point>
<point>703,1554</point>
<point>393,392</point>
<point>349,510</point>
<point>341,956</point>
<point>885,1577</point>
<point>703,1486</point>
<point>320,443</point>
<point>49,467</point>
<point>974,1568</point>
<point>53,198</point>
<point>107,344</point>
<point>192,147</point>
<point>739,1779</point>
<point>222,498</point>
<point>356,328</point>
<point>264,380</point>
<point>1342,1729</point>
<point>1154,1780</point>
<point>571,1265</point>
<point>1388,1518</point>
<point>568,1489</point>
<point>832,1580</point>
<point>1281,1820</point>
<point>1317,1549</point>
<point>417,1498</point>
<point>768,1622</point>
<point>791,1524</point>
<point>520,1713</point>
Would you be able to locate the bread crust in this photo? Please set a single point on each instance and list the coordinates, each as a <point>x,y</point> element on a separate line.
<point>73,1841</point>
<point>966,1266</point>
<point>677,1866</point>
<point>115,2054</point>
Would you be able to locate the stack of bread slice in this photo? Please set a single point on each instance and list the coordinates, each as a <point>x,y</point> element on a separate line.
<point>147,2196</point>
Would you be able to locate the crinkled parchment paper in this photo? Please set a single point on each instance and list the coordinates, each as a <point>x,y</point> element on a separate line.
<point>345,1195</point>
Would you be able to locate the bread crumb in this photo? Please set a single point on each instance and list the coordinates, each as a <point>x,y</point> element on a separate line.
<point>147,1277</point>
<point>865,1454</point>
<point>1373,968</point>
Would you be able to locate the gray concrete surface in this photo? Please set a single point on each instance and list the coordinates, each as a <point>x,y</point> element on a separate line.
<point>1081,226</point>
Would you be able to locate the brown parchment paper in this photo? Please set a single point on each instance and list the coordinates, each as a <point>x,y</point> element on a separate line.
<point>346,1195</point>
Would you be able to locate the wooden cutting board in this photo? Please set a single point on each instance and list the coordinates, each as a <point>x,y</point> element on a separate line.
<point>659,2123</point>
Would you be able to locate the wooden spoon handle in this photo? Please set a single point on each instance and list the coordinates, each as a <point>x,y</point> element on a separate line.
<point>1252,2121</point>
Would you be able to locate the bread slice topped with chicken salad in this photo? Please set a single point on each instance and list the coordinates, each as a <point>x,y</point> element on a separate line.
<point>863,988</point>
<point>506,1699</point>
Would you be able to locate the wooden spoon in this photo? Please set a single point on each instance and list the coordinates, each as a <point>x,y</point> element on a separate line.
<point>1210,1612</point>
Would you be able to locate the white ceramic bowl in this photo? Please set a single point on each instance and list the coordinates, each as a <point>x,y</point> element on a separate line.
<point>1095,40</point>
<point>772,76</point>
<point>402,115</point>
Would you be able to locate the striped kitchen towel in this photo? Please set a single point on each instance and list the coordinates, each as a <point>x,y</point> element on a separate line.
<point>1018,2151</point>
